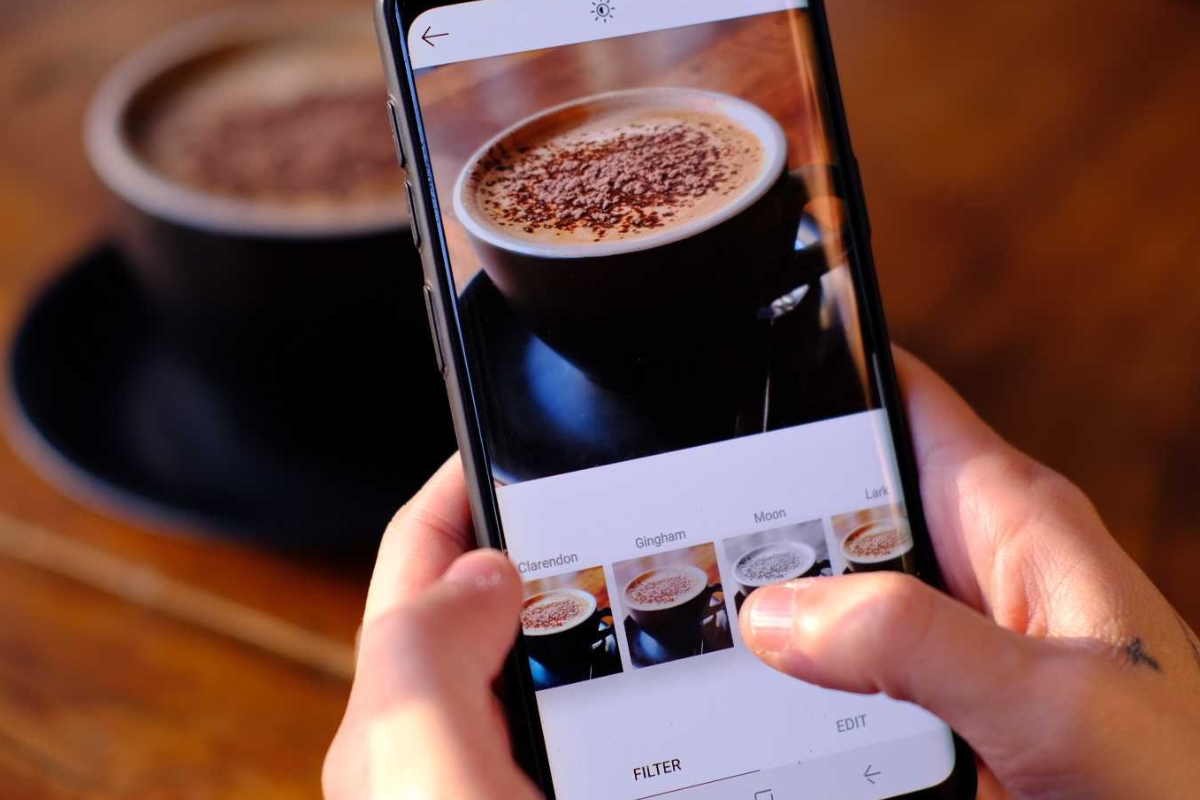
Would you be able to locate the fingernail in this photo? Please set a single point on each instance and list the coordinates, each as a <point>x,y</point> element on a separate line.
<point>480,569</point>
<point>772,617</point>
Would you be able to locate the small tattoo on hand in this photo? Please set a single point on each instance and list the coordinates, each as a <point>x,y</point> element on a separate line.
<point>1191,639</point>
<point>1135,651</point>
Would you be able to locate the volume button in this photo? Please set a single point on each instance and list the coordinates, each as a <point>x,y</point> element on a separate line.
<point>433,330</point>
<point>412,216</point>
<point>394,119</point>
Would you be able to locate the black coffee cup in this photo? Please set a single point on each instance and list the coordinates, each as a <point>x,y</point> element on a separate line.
<point>883,545</point>
<point>680,622</point>
<point>678,307</point>
<point>568,650</point>
<point>281,309</point>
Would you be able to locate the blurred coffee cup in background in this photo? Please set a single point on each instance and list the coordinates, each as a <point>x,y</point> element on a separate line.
<point>262,215</point>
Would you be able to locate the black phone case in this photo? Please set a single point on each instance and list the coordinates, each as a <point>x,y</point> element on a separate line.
<point>448,339</point>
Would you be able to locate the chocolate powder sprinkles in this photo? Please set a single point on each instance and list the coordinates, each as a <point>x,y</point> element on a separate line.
<point>628,178</point>
<point>328,144</point>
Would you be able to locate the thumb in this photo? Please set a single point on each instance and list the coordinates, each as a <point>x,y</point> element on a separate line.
<point>888,632</point>
<point>427,723</point>
<point>458,632</point>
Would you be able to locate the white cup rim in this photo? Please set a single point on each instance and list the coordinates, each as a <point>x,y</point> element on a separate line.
<point>587,597</point>
<point>893,523</point>
<point>758,121</point>
<point>129,177</point>
<point>701,585</point>
<point>808,549</point>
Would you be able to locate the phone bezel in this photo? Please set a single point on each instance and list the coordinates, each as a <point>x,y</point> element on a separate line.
<point>519,696</point>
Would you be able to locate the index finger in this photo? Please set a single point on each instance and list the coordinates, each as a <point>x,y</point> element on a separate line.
<point>946,435</point>
<point>422,540</point>
<point>1006,528</point>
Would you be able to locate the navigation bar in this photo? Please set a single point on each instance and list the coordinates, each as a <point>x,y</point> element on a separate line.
<point>486,28</point>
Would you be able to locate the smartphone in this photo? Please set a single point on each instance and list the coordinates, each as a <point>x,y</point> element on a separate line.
<point>650,286</point>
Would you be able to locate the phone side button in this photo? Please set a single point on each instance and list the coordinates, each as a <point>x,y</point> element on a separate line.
<point>412,216</point>
<point>395,121</point>
<point>433,330</point>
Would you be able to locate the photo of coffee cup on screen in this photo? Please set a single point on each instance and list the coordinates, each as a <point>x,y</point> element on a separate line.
<point>874,540</point>
<point>634,187</point>
<point>775,556</point>
<point>646,255</point>
<point>674,605</point>
<point>568,629</point>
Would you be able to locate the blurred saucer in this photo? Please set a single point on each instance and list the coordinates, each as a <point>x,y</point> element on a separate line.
<point>113,417</point>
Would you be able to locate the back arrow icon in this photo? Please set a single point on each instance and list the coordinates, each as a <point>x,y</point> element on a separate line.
<point>426,36</point>
<point>871,776</point>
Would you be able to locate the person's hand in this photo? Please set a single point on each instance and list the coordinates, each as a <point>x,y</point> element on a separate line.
<point>1059,662</point>
<point>422,720</point>
<point>1062,666</point>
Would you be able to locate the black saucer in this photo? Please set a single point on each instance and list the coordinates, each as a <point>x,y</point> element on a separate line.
<point>117,418</point>
<point>604,660</point>
<point>645,650</point>
<point>548,417</point>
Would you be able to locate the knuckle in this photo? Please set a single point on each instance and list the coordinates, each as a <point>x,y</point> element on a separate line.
<point>398,518</point>
<point>417,521</point>
<point>999,464</point>
<point>1050,499</point>
<point>394,533</point>
<point>1031,542</point>
<point>413,636</point>
<point>410,642</point>
<point>338,768</point>
<point>901,598</point>
<point>1057,491</point>
<point>900,612</point>
<point>891,621</point>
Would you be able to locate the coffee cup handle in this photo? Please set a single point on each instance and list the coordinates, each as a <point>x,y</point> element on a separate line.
<point>604,629</point>
<point>815,181</point>
<point>715,608</point>
<point>808,261</point>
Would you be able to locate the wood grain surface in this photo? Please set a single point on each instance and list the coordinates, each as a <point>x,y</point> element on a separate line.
<point>590,580</point>
<point>1034,194</point>
<point>135,664</point>
<point>703,556</point>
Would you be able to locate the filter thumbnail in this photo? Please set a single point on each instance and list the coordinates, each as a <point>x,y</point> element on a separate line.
<point>673,605</point>
<point>875,539</point>
<point>776,556</point>
<point>568,629</point>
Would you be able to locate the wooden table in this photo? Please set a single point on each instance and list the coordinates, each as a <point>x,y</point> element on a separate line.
<point>589,579</point>
<point>1034,194</point>
<point>130,666</point>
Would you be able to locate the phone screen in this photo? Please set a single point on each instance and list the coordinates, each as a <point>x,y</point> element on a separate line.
<point>644,210</point>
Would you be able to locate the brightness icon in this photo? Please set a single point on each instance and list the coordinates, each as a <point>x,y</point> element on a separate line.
<point>602,11</point>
